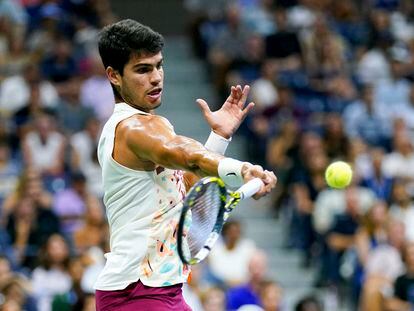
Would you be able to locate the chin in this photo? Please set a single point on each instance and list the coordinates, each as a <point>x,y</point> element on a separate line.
<point>156,105</point>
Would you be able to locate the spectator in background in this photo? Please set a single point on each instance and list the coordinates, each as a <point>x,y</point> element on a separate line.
<point>6,273</point>
<point>84,155</point>
<point>249,293</point>
<point>24,118</point>
<point>383,266</point>
<point>15,90</point>
<point>59,66</point>
<point>281,155</point>
<point>271,296</point>
<point>72,116</point>
<point>402,207</point>
<point>400,162</point>
<point>309,303</point>
<point>403,298</point>
<point>377,181</point>
<point>94,231</point>
<point>264,89</point>
<point>96,92</point>
<point>74,299</point>
<point>335,141</point>
<point>30,186</point>
<point>258,18</point>
<point>324,50</point>
<point>71,204</point>
<point>340,238</point>
<point>193,289</point>
<point>89,304</point>
<point>18,291</point>
<point>373,66</point>
<point>214,299</point>
<point>9,172</point>
<point>228,260</point>
<point>16,58</point>
<point>371,233</point>
<point>43,148</point>
<point>247,67</point>
<point>393,93</point>
<point>283,46</point>
<point>358,156</point>
<point>406,112</point>
<point>51,27</point>
<point>308,182</point>
<point>332,202</point>
<point>29,228</point>
<point>52,276</point>
<point>227,46</point>
<point>85,36</point>
<point>367,119</point>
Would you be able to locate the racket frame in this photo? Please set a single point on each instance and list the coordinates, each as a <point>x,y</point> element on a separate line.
<point>215,232</point>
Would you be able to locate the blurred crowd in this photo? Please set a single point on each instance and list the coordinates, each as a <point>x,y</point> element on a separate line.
<point>54,97</point>
<point>332,80</point>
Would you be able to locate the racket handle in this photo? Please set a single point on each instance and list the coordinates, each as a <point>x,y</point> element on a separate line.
<point>250,188</point>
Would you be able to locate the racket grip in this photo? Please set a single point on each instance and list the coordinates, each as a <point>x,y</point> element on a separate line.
<point>250,188</point>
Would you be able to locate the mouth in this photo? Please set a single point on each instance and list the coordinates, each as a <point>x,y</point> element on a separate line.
<point>155,94</point>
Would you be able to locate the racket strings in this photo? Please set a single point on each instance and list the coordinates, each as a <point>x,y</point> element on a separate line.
<point>203,213</point>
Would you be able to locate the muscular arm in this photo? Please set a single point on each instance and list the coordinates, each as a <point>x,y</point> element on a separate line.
<point>152,138</point>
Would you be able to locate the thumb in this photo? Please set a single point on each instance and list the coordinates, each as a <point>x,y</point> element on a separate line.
<point>203,106</point>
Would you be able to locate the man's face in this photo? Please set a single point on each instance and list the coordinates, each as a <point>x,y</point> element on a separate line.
<point>142,81</point>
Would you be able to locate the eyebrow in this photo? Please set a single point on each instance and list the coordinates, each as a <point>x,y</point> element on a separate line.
<point>147,64</point>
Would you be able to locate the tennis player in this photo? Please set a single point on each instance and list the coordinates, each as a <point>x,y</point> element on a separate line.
<point>142,162</point>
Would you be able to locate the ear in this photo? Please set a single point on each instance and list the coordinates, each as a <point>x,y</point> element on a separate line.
<point>113,76</point>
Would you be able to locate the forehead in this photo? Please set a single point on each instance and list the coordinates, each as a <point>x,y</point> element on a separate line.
<point>144,58</point>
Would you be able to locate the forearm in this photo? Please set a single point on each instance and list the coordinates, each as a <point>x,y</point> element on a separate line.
<point>215,143</point>
<point>189,155</point>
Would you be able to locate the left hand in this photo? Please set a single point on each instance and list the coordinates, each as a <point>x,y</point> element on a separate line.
<point>228,118</point>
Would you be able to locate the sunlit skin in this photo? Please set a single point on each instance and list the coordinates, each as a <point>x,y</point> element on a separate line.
<point>144,142</point>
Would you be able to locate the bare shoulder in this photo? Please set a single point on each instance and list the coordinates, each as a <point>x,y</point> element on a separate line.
<point>145,133</point>
<point>143,124</point>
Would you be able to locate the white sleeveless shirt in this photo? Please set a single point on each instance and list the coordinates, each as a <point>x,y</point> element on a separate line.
<point>143,210</point>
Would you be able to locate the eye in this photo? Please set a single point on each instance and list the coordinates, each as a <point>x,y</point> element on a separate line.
<point>142,70</point>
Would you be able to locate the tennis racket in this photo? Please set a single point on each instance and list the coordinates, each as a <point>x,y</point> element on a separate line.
<point>206,208</point>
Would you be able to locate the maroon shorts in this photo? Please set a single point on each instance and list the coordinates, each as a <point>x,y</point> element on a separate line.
<point>137,296</point>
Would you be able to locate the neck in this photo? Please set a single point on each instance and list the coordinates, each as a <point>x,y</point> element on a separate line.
<point>255,285</point>
<point>231,245</point>
<point>134,106</point>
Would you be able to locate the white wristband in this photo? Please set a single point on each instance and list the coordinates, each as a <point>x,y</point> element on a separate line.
<point>217,143</point>
<point>230,171</point>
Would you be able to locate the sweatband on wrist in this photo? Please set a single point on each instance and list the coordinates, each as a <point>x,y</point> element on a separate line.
<point>217,143</point>
<point>230,171</point>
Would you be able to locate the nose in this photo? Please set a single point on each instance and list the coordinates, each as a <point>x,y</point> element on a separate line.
<point>156,76</point>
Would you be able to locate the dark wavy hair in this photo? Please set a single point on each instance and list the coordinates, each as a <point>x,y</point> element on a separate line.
<point>119,40</point>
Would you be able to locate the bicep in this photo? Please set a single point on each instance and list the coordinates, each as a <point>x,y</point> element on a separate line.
<point>157,142</point>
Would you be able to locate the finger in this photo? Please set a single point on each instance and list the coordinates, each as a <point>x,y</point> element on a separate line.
<point>239,93</point>
<point>271,179</point>
<point>258,172</point>
<point>205,109</point>
<point>248,108</point>
<point>232,96</point>
<point>243,98</point>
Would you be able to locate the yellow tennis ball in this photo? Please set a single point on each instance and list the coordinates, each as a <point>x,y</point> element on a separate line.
<point>338,174</point>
